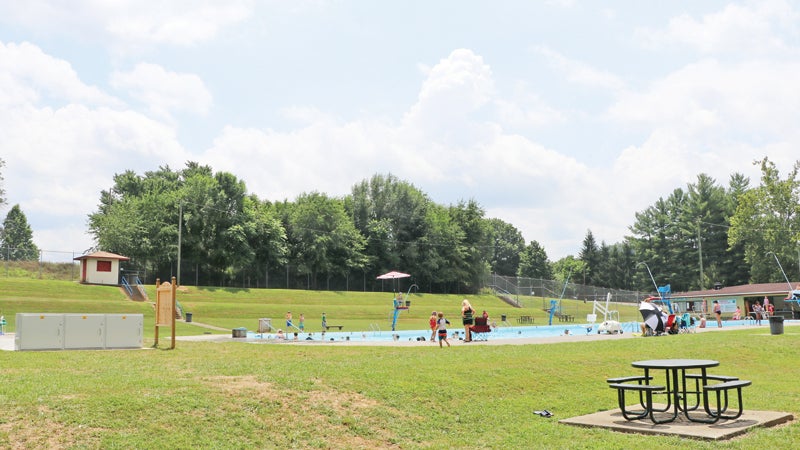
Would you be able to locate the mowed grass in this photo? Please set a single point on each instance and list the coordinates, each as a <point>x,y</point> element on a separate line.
<point>237,395</point>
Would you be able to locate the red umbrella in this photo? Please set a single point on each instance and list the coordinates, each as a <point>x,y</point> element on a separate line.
<point>393,275</point>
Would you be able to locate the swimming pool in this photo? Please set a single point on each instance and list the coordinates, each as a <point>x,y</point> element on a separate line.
<point>502,332</point>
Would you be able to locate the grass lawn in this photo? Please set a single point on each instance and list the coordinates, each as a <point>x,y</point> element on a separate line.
<point>237,395</point>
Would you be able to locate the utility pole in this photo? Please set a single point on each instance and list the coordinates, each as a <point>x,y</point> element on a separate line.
<point>700,249</point>
<point>180,232</point>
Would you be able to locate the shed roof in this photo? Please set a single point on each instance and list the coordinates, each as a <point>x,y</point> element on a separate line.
<point>102,255</point>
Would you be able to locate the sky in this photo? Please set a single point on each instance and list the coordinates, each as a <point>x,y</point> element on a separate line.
<point>558,117</point>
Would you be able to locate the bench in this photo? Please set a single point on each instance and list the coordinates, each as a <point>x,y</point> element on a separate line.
<point>647,389</point>
<point>638,378</point>
<point>697,377</point>
<point>328,327</point>
<point>641,379</point>
<point>719,388</point>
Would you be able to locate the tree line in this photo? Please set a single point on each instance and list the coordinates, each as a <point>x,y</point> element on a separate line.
<point>692,239</point>
<point>704,236</point>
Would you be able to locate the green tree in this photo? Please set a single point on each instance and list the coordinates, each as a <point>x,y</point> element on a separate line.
<point>441,253</point>
<point>533,262</point>
<point>138,218</point>
<point>393,217</point>
<point>476,244</point>
<point>767,222</point>
<point>323,238</point>
<point>735,266</point>
<point>566,269</point>
<point>507,247</point>
<point>621,266</point>
<point>657,240</point>
<point>590,255</point>
<point>16,237</point>
<point>267,237</point>
<point>703,227</point>
<point>225,233</point>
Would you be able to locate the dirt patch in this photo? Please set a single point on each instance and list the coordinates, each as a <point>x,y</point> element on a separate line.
<point>18,430</point>
<point>341,419</point>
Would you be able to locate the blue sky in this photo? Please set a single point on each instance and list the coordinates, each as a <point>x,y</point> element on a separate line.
<point>556,116</point>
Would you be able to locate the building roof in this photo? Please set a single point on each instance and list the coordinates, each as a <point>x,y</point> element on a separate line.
<point>102,255</point>
<point>745,290</point>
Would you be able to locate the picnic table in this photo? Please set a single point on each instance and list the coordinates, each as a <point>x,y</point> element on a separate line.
<point>328,327</point>
<point>678,391</point>
<point>525,319</point>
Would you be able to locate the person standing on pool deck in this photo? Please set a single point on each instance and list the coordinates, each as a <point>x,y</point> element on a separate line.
<point>467,319</point>
<point>433,324</point>
<point>718,313</point>
<point>324,323</point>
<point>301,323</point>
<point>442,324</point>
<point>288,320</point>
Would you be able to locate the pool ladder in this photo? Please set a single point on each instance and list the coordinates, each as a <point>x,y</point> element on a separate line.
<point>375,329</point>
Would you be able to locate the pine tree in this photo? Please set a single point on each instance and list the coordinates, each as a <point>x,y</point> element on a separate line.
<point>16,237</point>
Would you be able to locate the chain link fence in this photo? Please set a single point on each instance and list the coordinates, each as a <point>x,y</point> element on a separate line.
<point>527,291</point>
<point>47,264</point>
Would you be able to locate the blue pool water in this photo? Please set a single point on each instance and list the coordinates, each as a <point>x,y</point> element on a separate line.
<point>502,332</point>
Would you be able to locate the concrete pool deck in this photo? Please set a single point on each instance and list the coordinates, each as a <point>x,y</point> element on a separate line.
<point>791,328</point>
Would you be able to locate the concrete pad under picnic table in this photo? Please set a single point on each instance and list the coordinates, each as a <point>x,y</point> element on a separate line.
<point>722,430</point>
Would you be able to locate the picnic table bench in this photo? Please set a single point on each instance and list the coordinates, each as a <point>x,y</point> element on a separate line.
<point>678,392</point>
<point>328,327</point>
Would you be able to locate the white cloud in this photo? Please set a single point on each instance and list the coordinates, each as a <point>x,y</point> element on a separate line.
<point>27,73</point>
<point>59,157</point>
<point>475,129</point>
<point>580,72</point>
<point>330,156</point>
<point>525,109</point>
<point>130,22</point>
<point>164,92</point>
<point>456,88</point>
<point>740,29</point>
<point>709,96</point>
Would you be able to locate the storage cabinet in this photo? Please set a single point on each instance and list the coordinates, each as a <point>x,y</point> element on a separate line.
<point>78,331</point>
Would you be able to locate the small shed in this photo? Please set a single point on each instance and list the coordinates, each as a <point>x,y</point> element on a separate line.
<point>100,268</point>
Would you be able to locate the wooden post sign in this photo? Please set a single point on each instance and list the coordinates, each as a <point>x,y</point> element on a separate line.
<point>165,308</point>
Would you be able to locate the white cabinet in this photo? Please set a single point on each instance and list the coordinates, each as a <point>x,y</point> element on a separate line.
<point>41,332</point>
<point>78,331</point>
<point>84,331</point>
<point>124,330</point>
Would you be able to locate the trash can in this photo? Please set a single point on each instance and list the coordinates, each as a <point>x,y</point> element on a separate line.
<point>408,303</point>
<point>776,325</point>
<point>188,317</point>
<point>240,332</point>
<point>502,318</point>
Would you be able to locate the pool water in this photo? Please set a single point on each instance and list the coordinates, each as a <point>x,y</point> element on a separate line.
<point>502,332</point>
